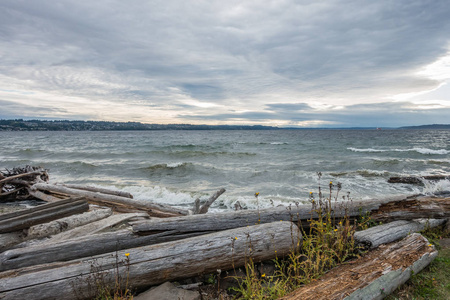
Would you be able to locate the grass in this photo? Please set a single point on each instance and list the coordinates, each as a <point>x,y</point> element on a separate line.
<point>434,281</point>
<point>326,243</point>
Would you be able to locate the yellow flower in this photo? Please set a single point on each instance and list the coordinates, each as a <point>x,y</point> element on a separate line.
<point>310,193</point>
<point>335,229</point>
<point>430,245</point>
<point>256,194</point>
<point>127,254</point>
<point>331,182</point>
<point>263,275</point>
<point>235,237</point>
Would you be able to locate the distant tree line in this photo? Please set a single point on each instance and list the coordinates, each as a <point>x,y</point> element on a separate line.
<point>68,125</point>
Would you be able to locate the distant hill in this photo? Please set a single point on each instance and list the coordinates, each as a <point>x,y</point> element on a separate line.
<point>66,125</point>
<point>433,126</point>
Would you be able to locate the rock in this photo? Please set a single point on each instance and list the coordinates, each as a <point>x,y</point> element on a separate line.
<point>168,291</point>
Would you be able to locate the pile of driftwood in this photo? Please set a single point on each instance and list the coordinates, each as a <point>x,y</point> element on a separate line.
<point>57,250</point>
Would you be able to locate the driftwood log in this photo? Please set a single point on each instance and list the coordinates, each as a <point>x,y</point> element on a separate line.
<point>373,276</point>
<point>417,179</point>
<point>393,231</point>
<point>97,226</point>
<point>7,240</point>
<point>98,190</point>
<point>384,210</point>
<point>75,248</point>
<point>150,265</point>
<point>118,203</point>
<point>41,214</point>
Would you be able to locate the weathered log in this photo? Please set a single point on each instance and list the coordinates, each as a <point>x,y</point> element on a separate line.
<point>417,179</point>
<point>7,240</point>
<point>387,209</point>
<point>150,265</point>
<point>373,276</point>
<point>205,207</point>
<point>43,196</point>
<point>9,178</point>
<point>413,208</point>
<point>98,190</point>
<point>153,209</point>
<point>390,232</point>
<point>96,227</point>
<point>75,248</point>
<point>41,214</point>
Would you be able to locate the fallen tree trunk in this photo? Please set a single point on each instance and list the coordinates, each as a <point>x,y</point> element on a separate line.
<point>96,227</point>
<point>396,208</point>
<point>413,208</point>
<point>150,265</point>
<point>373,276</point>
<point>75,248</point>
<point>7,240</point>
<point>205,207</point>
<point>390,232</point>
<point>41,214</point>
<point>116,202</point>
<point>98,190</point>
<point>43,196</point>
<point>417,179</point>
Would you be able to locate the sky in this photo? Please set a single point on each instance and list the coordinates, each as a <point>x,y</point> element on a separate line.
<point>331,63</point>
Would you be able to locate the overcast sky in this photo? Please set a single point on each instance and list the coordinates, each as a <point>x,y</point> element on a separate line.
<point>282,63</point>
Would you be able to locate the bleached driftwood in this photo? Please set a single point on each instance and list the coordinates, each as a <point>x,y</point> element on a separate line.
<point>7,240</point>
<point>390,232</point>
<point>118,203</point>
<point>96,227</point>
<point>41,214</point>
<point>381,210</point>
<point>98,190</point>
<point>43,196</point>
<point>150,265</point>
<point>75,248</point>
<point>373,276</point>
<point>205,207</point>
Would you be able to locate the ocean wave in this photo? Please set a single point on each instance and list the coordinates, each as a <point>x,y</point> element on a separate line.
<point>373,173</point>
<point>173,165</point>
<point>433,187</point>
<point>365,150</point>
<point>416,149</point>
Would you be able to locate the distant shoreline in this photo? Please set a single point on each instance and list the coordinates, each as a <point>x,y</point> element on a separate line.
<point>66,125</point>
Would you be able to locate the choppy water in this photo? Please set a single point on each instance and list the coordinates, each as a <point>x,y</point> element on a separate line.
<point>176,167</point>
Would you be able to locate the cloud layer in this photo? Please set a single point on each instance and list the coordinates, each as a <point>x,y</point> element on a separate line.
<point>289,63</point>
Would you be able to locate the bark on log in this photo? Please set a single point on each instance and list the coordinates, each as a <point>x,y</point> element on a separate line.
<point>373,276</point>
<point>150,265</point>
<point>98,190</point>
<point>417,179</point>
<point>10,239</point>
<point>9,178</point>
<point>153,209</point>
<point>41,214</point>
<point>390,232</point>
<point>413,208</point>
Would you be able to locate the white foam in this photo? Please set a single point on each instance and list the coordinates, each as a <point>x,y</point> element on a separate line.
<point>432,187</point>
<point>416,149</point>
<point>430,151</point>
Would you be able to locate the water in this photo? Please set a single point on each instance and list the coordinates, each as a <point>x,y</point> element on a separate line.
<point>176,167</point>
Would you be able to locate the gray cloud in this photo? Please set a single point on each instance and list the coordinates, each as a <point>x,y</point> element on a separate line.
<point>251,60</point>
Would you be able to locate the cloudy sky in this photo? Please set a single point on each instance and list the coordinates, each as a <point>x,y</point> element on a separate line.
<point>333,63</point>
